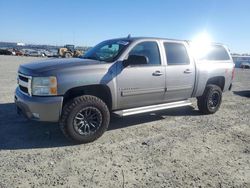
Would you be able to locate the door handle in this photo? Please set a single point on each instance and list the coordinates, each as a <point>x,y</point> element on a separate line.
<point>157,73</point>
<point>187,71</point>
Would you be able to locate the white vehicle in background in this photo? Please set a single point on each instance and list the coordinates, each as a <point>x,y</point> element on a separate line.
<point>245,65</point>
<point>33,53</point>
<point>49,53</point>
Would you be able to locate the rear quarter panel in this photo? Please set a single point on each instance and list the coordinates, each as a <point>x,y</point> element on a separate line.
<point>209,69</point>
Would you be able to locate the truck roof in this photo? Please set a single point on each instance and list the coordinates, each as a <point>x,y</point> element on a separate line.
<point>141,38</point>
<point>157,38</point>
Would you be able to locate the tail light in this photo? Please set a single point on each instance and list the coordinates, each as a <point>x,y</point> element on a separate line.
<point>233,73</point>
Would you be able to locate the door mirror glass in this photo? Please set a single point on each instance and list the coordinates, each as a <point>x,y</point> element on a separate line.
<point>135,60</point>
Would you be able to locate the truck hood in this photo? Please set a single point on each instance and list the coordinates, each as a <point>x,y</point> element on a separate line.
<point>54,64</point>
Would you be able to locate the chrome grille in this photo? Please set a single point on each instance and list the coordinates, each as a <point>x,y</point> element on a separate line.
<point>24,83</point>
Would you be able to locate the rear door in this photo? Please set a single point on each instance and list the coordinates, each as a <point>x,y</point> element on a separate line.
<point>180,71</point>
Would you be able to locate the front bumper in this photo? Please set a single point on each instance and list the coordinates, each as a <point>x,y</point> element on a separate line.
<point>39,108</point>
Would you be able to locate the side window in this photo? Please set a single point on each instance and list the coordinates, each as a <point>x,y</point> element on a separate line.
<point>148,49</point>
<point>217,52</point>
<point>176,53</point>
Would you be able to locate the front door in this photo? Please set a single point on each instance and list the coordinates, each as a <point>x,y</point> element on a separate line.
<point>140,85</point>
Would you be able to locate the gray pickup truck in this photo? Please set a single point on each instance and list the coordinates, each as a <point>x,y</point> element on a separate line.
<point>124,76</point>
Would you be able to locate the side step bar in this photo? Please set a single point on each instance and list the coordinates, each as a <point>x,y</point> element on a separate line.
<point>151,108</point>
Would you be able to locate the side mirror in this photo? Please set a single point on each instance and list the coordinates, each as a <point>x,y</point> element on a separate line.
<point>135,60</point>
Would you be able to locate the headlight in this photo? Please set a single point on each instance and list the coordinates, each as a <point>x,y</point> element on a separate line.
<point>43,86</point>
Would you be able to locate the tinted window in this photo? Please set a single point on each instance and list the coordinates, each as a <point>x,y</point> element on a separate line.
<point>176,54</point>
<point>149,50</point>
<point>216,52</point>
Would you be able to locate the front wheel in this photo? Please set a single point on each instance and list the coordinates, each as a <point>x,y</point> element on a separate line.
<point>84,119</point>
<point>211,99</point>
<point>68,55</point>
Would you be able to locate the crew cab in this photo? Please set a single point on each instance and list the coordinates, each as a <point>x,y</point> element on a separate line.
<point>124,76</point>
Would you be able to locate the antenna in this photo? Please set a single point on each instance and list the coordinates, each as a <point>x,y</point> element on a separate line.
<point>128,36</point>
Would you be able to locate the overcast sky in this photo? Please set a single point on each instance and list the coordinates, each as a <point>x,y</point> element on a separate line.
<point>87,22</point>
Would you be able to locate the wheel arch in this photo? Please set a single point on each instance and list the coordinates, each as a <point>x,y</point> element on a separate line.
<point>99,90</point>
<point>217,80</point>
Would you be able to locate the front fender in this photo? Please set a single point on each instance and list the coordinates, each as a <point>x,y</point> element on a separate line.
<point>94,75</point>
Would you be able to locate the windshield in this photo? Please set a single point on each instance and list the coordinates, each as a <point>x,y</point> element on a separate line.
<point>107,51</point>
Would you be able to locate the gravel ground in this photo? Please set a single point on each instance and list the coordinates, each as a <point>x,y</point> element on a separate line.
<point>171,148</point>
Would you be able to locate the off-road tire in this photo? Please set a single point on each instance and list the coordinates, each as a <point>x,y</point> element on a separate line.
<point>203,101</point>
<point>72,108</point>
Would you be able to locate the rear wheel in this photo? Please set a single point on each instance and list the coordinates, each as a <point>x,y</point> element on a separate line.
<point>211,99</point>
<point>84,119</point>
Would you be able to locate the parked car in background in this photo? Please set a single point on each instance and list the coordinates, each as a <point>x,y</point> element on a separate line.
<point>34,53</point>
<point>48,53</point>
<point>239,59</point>
<point>5,52</point>
<point>17,52</point>
<point>44,53</point>
<point>53,53</point>
<point>245,65</point>
<point>26,52</point>
<point>31,52</point>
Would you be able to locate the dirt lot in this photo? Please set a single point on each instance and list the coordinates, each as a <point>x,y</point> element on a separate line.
<point>171,148</point>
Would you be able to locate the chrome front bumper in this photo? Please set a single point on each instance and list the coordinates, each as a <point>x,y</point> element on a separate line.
<point>39,108</point>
